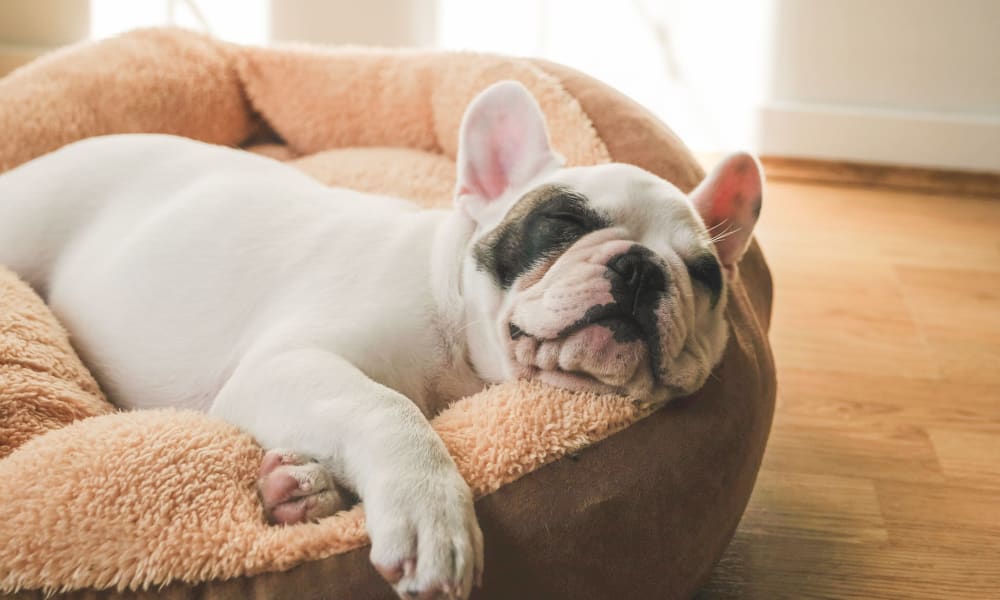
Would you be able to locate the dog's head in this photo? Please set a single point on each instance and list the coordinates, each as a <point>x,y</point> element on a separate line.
<point>602,278</point>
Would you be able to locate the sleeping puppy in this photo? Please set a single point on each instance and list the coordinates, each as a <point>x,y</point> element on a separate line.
<point>331,324</point>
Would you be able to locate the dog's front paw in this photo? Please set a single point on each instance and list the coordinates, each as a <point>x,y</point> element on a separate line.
<point>426,541</point>
<point>294,488</point>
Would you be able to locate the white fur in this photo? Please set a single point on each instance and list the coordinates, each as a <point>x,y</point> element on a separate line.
<point>316,319</point>
<point>327,321</point>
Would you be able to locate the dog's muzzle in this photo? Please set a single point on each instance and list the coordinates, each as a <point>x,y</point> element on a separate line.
<point>611,343</point>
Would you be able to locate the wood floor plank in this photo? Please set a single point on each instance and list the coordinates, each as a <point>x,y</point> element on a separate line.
<point>770,567</point>
<point>895,452</point>
<point>969,458</point>
<point>965,341</point>
<point>821,507</point>
<point>956,518</point>
<point>825,398</point>
<point>845,314</point>
<point>902,228</point>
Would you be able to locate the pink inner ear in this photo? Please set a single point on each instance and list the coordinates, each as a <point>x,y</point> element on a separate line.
<point>505,140</point>
<point>729,203</point>
<point>726,198</point>
<point>502,145</point>
<point>737,193</point>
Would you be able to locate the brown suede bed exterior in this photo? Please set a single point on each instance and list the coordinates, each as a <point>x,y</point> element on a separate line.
<point>643,514</point>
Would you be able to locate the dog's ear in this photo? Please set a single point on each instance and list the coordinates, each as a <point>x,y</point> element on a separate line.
<point>729,201</point>
<point>502,145</point>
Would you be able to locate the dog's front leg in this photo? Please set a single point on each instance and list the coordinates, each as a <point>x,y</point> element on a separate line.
<point>425,537</point>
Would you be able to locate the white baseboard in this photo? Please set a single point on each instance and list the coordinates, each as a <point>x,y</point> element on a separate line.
<point>932,140</point>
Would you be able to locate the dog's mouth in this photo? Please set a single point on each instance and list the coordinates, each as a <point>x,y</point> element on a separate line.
<point>606,350</point>
<point>614,316</point>
<point>622,322</point>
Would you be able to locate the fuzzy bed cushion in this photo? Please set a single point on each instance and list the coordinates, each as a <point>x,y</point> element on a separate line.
<point>161,501</point>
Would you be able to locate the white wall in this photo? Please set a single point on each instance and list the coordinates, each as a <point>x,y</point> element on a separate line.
<point>29,28</point>
<point>913,82</point>
<point>910,82</point>
<point>369,22</point>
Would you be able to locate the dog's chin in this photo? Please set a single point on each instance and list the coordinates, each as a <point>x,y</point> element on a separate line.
<point>576,382</point>
<point>592,359</point>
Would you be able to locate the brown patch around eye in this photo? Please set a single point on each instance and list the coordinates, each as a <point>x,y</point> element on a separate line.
<point>540,227</point>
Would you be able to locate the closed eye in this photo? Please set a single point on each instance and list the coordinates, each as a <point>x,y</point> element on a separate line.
<point>704,269</point>
<point>567,218</point>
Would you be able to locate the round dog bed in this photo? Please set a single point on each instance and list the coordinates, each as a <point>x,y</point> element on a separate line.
<point>579,496</point>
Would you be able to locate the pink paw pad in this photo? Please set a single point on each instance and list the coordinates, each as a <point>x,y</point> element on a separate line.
<point>294,489</point>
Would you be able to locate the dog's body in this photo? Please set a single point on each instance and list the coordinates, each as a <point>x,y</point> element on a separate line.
<point>331,323</point>
<point>166,293</point>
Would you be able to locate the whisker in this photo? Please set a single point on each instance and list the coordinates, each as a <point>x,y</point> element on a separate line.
<point>470,324</point>
<point>717,225</point>
<point>725,234</point>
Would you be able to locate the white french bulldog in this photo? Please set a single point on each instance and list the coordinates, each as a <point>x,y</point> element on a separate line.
<point>331,324</point>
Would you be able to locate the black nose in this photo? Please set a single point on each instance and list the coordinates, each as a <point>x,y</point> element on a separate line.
<point>635,280</point>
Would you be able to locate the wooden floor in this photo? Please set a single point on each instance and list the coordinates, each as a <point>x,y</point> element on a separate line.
<point>882,474</point>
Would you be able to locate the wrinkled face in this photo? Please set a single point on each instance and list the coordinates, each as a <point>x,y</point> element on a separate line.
<point>607,280</point>
<point>602,278</point>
